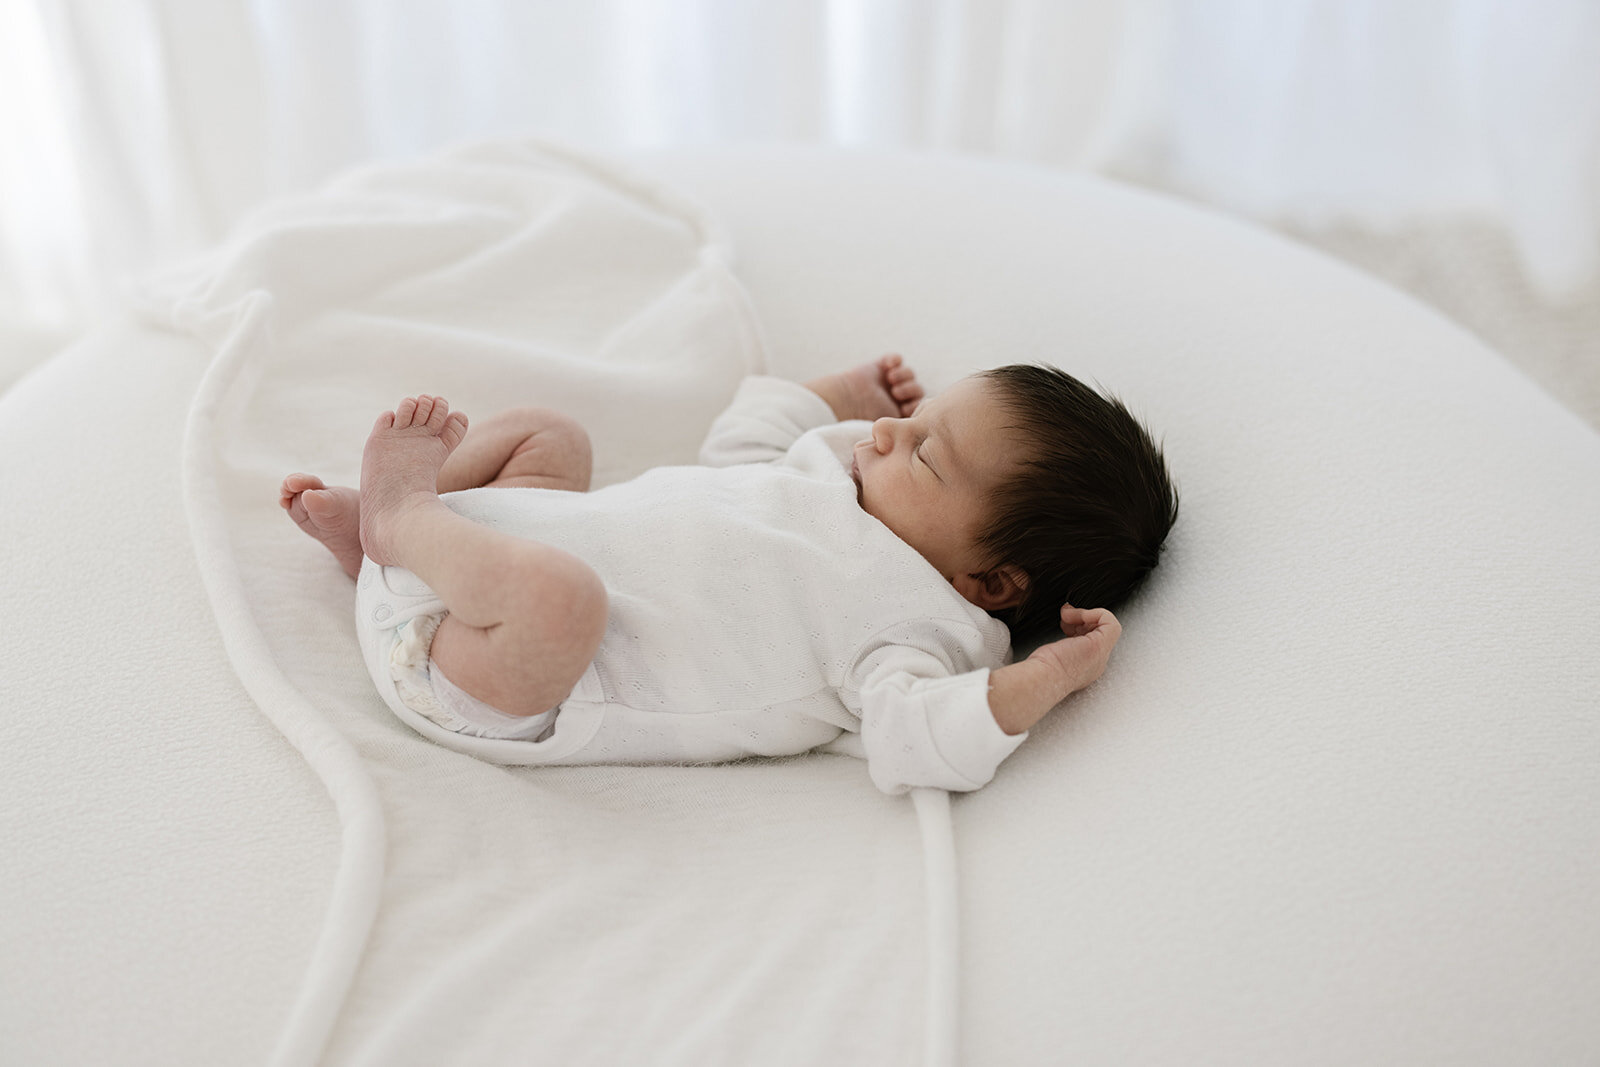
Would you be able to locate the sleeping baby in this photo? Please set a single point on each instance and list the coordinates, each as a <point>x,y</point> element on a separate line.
<point>846,569</point>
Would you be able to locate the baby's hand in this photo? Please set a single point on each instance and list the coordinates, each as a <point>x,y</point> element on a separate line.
<point>884,387</point>
<point>1022,693</point>
<point>1081,655</point>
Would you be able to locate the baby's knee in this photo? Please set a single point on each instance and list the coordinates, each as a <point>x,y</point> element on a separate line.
<point>554,447</point>
<point>588,604</point>
<point>553,424</point>
<point>567,599</point>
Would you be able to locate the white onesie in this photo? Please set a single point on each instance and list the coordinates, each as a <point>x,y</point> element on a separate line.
<point>755,610</point>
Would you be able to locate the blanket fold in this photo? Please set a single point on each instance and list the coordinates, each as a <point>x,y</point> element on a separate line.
<point>499,275</point>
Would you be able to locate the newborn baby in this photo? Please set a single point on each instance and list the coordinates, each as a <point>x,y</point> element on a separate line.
<point>816,579</point>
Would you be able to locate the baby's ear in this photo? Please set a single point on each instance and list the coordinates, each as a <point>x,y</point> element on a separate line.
<point>1002,587</point>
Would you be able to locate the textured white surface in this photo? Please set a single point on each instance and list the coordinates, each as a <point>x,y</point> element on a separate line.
<point>168,855</point>
<point>1333,802</point>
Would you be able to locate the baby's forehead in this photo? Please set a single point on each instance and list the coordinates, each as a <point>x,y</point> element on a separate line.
<point>978,401</point>
<point>980,431</point>
<point>973,392</point>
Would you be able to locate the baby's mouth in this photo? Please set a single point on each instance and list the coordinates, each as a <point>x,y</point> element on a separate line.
<point>855,476</point>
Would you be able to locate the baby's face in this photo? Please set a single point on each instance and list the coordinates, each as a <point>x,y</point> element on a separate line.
<point>930,477</point>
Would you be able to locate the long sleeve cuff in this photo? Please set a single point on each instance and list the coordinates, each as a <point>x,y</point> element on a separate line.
<point>965,731</point>
<point>933,732</point>
<point>765,417</point>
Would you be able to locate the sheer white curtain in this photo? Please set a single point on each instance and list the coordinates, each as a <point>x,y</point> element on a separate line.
<point>1376,113</point>
<point>135,131</point>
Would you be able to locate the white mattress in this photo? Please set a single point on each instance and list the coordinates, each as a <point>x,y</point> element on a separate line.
<point>1333,802</point>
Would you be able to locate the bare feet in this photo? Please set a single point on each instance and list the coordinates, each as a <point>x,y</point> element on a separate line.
<point>400,467</point>
<point>330,514</point>
<point>886,387</point>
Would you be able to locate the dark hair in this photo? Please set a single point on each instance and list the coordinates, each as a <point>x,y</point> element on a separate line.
<point>1086,511</point>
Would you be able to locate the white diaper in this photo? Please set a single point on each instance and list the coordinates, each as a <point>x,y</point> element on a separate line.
<point>423,688</point>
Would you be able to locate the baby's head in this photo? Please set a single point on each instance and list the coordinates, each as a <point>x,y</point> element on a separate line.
<point>1026,489</point>
<point>1089,506</point>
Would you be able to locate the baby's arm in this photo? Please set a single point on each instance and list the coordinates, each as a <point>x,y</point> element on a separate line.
<point>929,719</point>
<point>1020,694</point>
<point>765,418</point>
<point>767,415</point>
<point>886,387</point>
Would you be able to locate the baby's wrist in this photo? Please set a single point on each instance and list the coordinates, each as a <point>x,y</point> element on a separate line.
<point>1022,693</point>
<point>1061,677</point>
<point>830,387</point>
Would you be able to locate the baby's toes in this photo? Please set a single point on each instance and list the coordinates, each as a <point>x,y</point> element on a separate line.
<point>438,411</point>
<point>453,430</point>
<point>405,413</point>
<point>294,485</point>
<point>425,406</point>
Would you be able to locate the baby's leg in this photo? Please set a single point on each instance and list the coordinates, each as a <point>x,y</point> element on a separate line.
<point>531,447</point>
<point>331,514</point>
<point>525,618</point>
<point>522,447</point>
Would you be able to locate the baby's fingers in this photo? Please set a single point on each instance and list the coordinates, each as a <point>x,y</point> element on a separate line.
<point>1081,655</point>
<point>1076,622</point>
<point>902,384</point>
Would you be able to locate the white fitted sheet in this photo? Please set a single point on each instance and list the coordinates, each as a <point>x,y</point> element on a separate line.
<point>1333,802</point>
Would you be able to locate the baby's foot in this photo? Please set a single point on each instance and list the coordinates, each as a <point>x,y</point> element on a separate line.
<point>884,388</point>
<point>330,514</point>
<point>400,467</point>
<point>888,379</point>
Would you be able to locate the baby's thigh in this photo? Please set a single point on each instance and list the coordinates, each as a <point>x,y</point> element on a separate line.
<point>528,662</point>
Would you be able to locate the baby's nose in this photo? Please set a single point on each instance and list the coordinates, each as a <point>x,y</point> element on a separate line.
<point>883,431</point>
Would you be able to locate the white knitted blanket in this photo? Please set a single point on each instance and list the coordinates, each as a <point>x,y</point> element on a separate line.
<point>499,275</point>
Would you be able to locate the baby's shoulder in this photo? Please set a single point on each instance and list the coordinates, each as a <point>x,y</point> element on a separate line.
<point>943,645</point>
